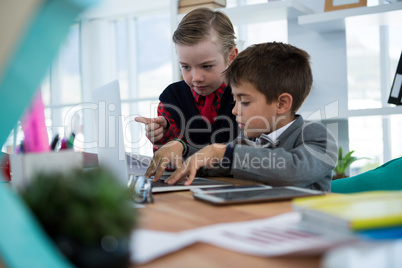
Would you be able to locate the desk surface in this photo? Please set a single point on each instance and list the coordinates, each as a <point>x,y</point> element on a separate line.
<point>178,211</point>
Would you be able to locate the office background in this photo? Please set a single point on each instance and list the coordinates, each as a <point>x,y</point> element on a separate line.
<point>353,67</point>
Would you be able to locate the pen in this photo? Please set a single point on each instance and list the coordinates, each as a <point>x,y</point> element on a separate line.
<point>54,142</point>
<point>70,142</point>
<point>20,148</point>
<point>63,144</point>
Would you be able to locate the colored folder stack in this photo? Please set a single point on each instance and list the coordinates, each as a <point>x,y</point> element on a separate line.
<point>376,214</point>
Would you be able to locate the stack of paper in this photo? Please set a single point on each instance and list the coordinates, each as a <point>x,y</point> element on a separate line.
<point>375,214</point>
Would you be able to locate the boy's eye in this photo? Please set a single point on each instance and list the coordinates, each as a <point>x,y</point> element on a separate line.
<point>245,103</point>
<point>185,67</point>
<point>207,66</point>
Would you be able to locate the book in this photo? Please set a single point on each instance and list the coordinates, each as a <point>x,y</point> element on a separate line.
<point>354,212</point>
<point>183,3</point>
<point>187,9</point>
<point>381,234</point>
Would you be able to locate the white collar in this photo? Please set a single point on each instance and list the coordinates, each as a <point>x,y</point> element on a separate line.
<point>274,135</point>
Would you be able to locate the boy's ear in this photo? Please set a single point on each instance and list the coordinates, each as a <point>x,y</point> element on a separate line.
<point>285,101</point>
<point>233,54</point>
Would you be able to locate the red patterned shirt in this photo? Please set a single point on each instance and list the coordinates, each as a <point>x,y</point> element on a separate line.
<point>173,131</point>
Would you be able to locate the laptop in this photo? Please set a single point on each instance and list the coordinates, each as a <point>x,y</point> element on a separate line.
<point>111,150</point>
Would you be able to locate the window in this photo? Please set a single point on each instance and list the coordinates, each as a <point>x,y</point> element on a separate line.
<point>378,50</point>
<point>363,49</point>
<point>266,32</point>
<point>61,89</point>
<point>138,54</point>
<point>151,56</point>
<point>65,87</point>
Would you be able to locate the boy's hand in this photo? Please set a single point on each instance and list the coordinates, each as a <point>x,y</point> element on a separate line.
<point>206,157</point>
<point>155,127</point>
<point>170,153</point>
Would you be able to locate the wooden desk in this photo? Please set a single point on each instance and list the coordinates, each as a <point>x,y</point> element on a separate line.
<point>179,211</point>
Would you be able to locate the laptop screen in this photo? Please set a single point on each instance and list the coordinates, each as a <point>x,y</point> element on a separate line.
<point>109,130</point>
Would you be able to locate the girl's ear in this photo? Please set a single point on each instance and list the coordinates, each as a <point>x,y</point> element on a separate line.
<point>285,101</point>
<point>232,55</point>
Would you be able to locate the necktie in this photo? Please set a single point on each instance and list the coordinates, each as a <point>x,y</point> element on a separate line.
<point>266,142</point>
<point>261,142</point>
<point>208,111</point>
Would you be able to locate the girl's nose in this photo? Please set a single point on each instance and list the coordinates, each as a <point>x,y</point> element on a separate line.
<point>197,76</point>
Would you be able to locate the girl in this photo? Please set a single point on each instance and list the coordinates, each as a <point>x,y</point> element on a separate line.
<point>197,110</point>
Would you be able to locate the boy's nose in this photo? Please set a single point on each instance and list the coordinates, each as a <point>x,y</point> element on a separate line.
<point>234,110</point>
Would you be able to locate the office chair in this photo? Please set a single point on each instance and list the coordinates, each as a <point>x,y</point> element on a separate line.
<point>385,177</point>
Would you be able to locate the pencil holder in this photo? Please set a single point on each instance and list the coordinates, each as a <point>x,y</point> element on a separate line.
<point>25,166</point>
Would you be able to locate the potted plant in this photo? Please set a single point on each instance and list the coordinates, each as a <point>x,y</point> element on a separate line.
<point>87,213</point>
<point>344,162</point>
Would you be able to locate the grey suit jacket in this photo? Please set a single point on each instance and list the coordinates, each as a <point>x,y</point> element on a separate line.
<point>304,156</point>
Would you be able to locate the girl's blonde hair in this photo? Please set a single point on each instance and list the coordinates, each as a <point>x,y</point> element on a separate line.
<point>201,24</point>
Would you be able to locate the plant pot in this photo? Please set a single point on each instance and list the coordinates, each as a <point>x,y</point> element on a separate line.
<point>339,176</point>
<point>109,253</point>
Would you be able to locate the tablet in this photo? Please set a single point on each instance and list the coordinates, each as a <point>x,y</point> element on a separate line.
<point>251,193</point>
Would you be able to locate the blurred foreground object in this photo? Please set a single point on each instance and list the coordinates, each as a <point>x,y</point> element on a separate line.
<point>87,213</point>
<point>31,34</point>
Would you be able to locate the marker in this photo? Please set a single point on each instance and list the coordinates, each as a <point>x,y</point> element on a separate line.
<point>21,148</point>
<point>63,144</point>
<point>70,142</point>
<point>55,141</point>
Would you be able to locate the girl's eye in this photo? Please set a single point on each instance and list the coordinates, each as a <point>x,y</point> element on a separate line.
<point>245,103</point>
<point>207,66</point>
<point>185,67</point>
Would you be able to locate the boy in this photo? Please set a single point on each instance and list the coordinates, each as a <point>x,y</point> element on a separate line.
<point>198,109</point>
<point>269,82</point>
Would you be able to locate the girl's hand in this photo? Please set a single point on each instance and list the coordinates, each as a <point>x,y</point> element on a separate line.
<point>155,128</point>
<point>170,153</point>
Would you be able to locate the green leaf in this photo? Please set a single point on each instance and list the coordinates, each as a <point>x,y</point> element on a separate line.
<point>348,155</point>
<point>344,162</point>
<point>340,153</point>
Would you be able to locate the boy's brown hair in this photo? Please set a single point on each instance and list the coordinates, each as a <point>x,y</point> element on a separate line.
<point>274,68</point>
<point>200,25</point>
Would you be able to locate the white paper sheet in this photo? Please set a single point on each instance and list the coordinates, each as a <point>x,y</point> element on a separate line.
<point>381,253</point>
<point>147,245</point>
<point>274,236</point>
